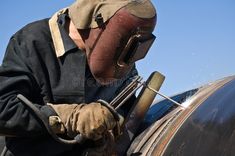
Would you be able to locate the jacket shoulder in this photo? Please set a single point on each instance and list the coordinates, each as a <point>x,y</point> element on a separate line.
<point>37,30</point>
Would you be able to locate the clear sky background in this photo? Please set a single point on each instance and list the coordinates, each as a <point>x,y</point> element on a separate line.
<point>195,38</point>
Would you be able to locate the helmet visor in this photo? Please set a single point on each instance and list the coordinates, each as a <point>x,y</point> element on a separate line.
<point>136,48</point>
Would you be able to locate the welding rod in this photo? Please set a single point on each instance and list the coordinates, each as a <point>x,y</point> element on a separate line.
<point>166,97</point>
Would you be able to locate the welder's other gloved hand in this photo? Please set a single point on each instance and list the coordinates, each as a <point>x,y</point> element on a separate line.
<point>102,147</point>
<point>90,120</point>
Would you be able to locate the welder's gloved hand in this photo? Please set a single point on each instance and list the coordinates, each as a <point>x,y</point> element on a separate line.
<point>61,123</point>
<point>90,120</point>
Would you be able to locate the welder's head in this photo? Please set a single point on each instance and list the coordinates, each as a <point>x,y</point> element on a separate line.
<point>116,33</point>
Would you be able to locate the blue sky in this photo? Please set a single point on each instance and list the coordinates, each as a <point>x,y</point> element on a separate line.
<point>195,39</point>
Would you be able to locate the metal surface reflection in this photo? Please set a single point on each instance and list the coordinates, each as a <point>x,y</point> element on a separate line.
<point>205,128</point>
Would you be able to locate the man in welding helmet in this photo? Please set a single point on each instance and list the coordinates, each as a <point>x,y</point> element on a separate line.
<point>64,65</point>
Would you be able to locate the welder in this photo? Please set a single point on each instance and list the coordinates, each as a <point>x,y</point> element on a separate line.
<point>64,65</point>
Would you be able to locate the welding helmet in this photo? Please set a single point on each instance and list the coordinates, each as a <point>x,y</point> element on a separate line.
<point>120,33</point>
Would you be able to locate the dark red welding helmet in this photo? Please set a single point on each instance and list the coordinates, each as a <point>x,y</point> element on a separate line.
<point>120,33</point>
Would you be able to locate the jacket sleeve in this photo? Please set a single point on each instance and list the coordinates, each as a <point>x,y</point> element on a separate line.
<point>16,119</point>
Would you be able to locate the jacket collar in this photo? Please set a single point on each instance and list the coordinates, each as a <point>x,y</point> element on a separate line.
<point>61,40</point>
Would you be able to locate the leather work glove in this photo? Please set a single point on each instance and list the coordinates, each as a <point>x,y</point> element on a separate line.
<point>90,120</point>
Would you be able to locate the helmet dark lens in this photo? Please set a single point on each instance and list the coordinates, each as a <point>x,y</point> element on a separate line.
<point>134,44</point>
<point>142,48</point>
<point>136,49</point>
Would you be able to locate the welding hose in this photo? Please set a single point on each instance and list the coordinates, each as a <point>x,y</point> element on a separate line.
<point>78,139</point>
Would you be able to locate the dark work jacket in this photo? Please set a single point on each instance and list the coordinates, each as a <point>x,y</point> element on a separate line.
<point>32,68</point>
